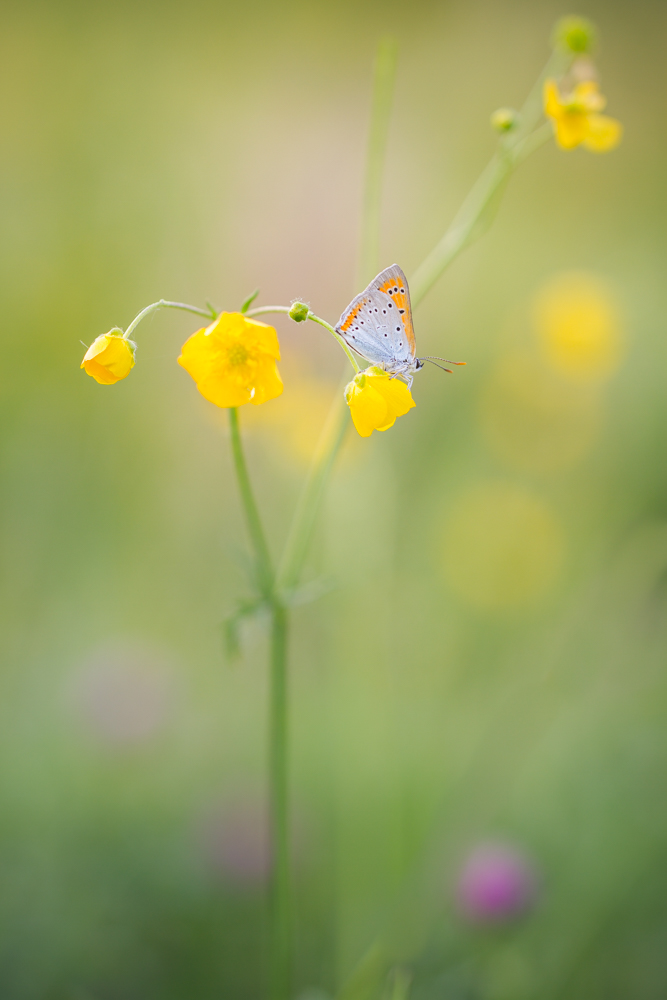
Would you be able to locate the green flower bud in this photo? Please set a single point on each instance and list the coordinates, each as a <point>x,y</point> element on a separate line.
<point>299,312</point>
<point>504,119</point>
<point>574,34</point>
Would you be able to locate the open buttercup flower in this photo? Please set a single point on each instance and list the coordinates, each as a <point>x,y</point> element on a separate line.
<point>233,361</point>
<point>376,400</point>
<point>109,358</point>
<point>577,120</point>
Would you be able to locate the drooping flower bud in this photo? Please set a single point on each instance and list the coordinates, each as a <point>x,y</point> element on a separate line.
<point>109,358</point>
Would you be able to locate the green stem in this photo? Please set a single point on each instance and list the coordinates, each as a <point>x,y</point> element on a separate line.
<point>462,227</point>
<point>163,304</point>
<point>314,319</point>
<point>280,889</point>
<point>280,906</point>
<point>264,567</point>
<point>512,150</point>
<point>305,515</point>
<point>328,326</point>
<point>384,76</point>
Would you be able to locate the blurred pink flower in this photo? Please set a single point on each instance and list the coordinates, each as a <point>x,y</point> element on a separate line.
<point>235,842</point>
<point>497,882</point>
<point>124,691</point>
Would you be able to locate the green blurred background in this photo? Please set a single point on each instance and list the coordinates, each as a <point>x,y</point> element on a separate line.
<point>489,664</point>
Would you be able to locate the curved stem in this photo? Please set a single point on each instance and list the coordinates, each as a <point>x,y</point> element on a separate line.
<point>267,309</point>
<point>314,319</point>
<point>328,326</point>
<point>262,555</point>
<point>163,304</point>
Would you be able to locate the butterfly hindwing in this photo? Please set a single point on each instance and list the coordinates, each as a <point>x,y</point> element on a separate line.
<point>378,323</point>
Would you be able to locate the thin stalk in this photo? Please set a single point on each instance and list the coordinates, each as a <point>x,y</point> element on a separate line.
<point>280,906</point>
<point>264,566</point>
<point>462,227</point>
<point>384,76</point>
<point>305,515</point>
<point>163,304</point>
<point>328,326</point>
<point>280,967</point>
<point>512,150</point>
<point>314,319</point>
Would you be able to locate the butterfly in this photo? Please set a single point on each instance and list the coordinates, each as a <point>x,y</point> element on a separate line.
<point>377,324</point>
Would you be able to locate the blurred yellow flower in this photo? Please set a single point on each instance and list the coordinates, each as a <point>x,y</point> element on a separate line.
<point>109,358</point>
<point>376,399</point>
<point>576,118</point>
<point>233,361</point>
<point>577,321</point>
<point>503,547</point>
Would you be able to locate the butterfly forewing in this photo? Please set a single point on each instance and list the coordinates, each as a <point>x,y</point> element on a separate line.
<point>378,323</point>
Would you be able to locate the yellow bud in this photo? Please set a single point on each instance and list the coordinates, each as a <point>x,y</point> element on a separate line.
<point>109,358</point>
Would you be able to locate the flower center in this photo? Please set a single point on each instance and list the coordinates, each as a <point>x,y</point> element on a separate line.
<point>237,354</point>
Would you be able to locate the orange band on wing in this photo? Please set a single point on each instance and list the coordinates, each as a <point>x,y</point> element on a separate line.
<point>351,316</point>
<point>399,296</point>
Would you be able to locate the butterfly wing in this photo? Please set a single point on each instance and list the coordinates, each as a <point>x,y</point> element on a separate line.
<point>377,324</point>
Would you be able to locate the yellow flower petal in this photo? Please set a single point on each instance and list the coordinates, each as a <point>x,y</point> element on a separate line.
<point>571,129</point>
<point>604,133</point>
<point>267,384</point>
<point>109,358</point>
<point>233,361</point>
<point>587,95</point>
<point>376,400</point>
<point>553,106</point>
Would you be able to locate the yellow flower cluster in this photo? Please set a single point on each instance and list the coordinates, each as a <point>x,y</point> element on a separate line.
<point>233,362</point>
<point>577,120</point>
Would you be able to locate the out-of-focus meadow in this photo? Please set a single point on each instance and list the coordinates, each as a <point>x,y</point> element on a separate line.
<point>487,665</point>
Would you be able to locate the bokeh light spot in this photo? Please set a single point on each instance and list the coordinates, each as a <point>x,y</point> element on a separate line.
<point>578,324</point>
<point>503,547</point>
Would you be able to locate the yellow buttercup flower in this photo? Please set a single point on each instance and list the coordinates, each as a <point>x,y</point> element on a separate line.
<point>233,361</point>
<point>376,399</point>
<point>577,120</point>
<point>109,358</point>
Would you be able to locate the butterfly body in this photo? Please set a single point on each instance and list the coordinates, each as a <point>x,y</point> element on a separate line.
<point>377,324</point>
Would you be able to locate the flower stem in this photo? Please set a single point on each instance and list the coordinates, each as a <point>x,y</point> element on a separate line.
<point>469,220</point>
<point>384,76</point>
<point>314,319</point>
<point>328,326</point>
<point>305,515</point>
<point>280,905</point>
<point>163,304</point>
<point>264,568</point>
<point>280,958</point>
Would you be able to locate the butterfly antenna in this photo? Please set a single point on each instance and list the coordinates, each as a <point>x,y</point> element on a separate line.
<point>433,357</point>
<point>441,367</point>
